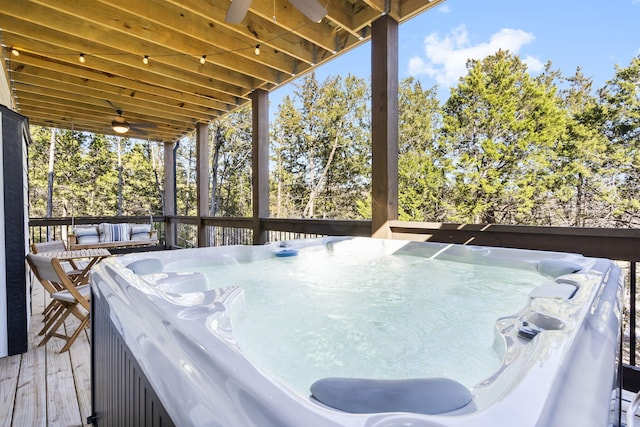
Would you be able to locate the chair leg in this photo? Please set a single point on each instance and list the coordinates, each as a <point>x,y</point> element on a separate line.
<point>66,310</point>
<point>51,318</point>
<point>52,330</point>
<point>72,338</point>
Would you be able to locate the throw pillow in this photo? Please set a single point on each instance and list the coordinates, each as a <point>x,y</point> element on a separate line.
<point>114,232</point>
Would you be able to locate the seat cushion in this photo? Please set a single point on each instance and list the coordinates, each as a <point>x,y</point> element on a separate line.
<point>86,235</point>
<point>140,232</point>
<point>85,291</point>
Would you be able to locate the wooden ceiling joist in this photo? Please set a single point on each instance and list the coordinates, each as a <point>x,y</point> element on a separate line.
<point>174,91</point>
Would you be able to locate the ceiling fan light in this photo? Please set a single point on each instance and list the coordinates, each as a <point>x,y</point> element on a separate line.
<point>120,126</point>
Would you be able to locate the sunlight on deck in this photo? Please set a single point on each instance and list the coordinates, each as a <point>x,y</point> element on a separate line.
<point>44,387</point>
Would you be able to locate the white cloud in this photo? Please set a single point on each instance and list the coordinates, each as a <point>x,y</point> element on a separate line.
<point>533,63</point>
<point>446,9</point>
<point>446,57</point>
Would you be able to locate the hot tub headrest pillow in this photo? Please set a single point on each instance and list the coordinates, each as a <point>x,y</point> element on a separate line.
<point>146,266</point>
<point>423,395</point>
<point>557,267</point>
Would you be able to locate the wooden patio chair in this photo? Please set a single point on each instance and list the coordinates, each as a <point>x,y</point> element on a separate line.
<point>68,299</point>
<point>71,267</point>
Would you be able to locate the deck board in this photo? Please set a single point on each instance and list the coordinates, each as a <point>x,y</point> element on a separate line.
<point>81,365</point>
<point>43,387</point>
<point>9,370</point>
<point>32,387</point>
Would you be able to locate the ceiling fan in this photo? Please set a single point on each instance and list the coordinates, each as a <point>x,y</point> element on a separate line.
<point>121,126</point>
<point>310,8</point>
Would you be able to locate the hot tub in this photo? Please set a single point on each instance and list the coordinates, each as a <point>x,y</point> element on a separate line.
<point>369,332</point>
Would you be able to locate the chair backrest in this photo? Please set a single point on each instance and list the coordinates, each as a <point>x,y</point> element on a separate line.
<point>43,267</point>
<point>52,246</point>
<point>48,269</point>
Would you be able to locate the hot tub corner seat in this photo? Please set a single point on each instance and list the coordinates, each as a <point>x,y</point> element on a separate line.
<point>429,396</point>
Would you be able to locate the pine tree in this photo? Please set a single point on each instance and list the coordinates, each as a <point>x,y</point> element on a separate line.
<point>500,128</point>
<point>322,148</point>
<point>620,123</point>
<point>422,164</point>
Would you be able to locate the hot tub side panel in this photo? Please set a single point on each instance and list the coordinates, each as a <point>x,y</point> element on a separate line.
<point>121,393</point>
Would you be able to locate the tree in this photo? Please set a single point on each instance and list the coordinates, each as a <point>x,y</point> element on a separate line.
<point>70,187</point>
<point>322,148</point>
<point>38,171</point>
<point>619,116</point>
<point>422,164</point>
<point>231,161</point>
<point>577,192</point>
<point>185,176</point>
<point>100,176</point>
<point>140,192</point>
<point>500,128</point>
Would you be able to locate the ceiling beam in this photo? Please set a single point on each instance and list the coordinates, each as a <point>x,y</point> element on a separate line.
<point>126,67</point>
<point>122,85</point>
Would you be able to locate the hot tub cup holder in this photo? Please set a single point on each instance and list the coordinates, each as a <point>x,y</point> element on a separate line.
<point>533,323</point>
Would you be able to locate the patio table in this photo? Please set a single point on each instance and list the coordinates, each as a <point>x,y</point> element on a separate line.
<point>93,256</point>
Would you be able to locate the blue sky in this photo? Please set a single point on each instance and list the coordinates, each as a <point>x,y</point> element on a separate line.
<point>435,46</point>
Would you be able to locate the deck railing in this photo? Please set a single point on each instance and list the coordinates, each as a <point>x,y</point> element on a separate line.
<point>620,245</point>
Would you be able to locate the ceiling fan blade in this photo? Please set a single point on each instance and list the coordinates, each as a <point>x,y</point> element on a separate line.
<point>143,125</point>
<point>237,11</point>
<point>310,8</point>
<point>117,109</point>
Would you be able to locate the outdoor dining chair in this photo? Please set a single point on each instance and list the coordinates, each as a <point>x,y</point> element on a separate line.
<point>71,267</point>
<point>66,297</point>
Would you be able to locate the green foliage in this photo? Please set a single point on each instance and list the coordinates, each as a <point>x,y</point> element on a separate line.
<point>186,176</point>
<point>620,123</point>
<point>506,147</point>
<point>577,191</point>
<point>320,143</point>
<point>86,175</point>
<point>232,177</point>
<point>422,164</point>
<point>500,129</point>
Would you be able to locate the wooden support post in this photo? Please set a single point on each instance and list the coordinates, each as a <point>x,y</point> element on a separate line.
<point>384,125</point>
<point>260,162</point>
<point>169,193</point>
<point>202,180</point>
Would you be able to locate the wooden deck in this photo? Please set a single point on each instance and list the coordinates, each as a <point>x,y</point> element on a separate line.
<point>43,387</point>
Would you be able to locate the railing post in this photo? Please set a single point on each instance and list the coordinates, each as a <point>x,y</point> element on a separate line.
<point>632,313</point>
<point>260,162</point>
<point>384,125</point>
<point>169,193</point>
<point>202,170</point>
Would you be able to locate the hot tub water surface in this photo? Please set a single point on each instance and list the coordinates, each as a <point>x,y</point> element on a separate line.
<point>322,314</point>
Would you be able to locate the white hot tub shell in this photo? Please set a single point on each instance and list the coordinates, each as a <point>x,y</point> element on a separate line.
<point>560,352</point>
